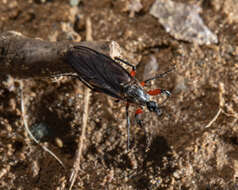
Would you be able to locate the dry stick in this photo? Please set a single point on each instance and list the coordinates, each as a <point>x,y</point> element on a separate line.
<point>24,57</point>
<point>76,166</point>
<point>214,119</point>
<point>28,130</point>
<point>221,104</point>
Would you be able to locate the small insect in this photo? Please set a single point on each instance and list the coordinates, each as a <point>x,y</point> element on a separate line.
<point>101,73</point>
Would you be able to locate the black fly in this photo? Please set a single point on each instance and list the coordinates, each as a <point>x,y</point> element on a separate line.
<point>102,74</point>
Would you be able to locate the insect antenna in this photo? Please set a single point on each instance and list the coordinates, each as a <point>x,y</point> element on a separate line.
<point>161,75</point>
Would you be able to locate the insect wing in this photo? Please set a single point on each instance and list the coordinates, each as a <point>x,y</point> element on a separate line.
<point>98,71</point>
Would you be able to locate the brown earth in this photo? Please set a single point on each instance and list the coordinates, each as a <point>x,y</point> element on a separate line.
<point>183,154</point>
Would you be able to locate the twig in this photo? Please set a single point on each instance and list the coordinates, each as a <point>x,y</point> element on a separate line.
<point>28,130</point>
<point>221,104</point>
<point>76,166</point>
<point>24,57</point>
<point>214,119</point>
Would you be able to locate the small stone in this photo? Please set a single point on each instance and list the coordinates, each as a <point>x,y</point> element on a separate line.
<point>182,21</point>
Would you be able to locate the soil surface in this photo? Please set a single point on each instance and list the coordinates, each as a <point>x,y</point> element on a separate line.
<point>185,148</point>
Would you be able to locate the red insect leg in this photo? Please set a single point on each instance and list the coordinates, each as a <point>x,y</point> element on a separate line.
<point>138,111</point>
<point>155,92</point>
<point>133,73</point>
<point>142,83</point>
<point>159,91</point>
<point>138,120</point>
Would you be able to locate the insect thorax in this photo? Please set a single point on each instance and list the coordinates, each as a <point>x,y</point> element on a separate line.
<point>136,94</point>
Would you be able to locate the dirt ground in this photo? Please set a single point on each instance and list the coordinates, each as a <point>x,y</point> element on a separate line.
<point>188,148</point>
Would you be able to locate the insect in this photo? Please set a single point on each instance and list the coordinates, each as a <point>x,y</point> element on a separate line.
<point>102,74</point>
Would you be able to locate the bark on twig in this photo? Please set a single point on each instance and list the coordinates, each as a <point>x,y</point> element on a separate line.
<point>23,57</point>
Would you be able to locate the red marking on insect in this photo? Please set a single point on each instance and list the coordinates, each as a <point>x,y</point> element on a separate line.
<point>142,83</point>
<point>154,92</point>
<point>133,73</point>
<point>139,111</point>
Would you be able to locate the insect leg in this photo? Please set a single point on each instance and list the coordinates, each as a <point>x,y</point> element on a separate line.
<point>133,72</point>
<point>86,84</point>
<point>75,76</point>
<point>125,62</point>
<point>128,126</point>
<point>139,122</point>
<point>159,91</point>
<point>65,75</point>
